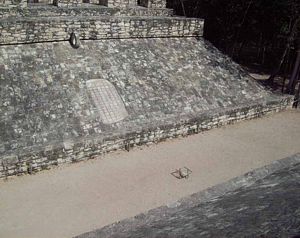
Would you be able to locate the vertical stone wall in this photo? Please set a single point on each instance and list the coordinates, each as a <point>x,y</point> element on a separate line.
<point>157,3</point>
<point>66,3</point>
<point>58,29</point>
<point>13,3</point>
<point>121,3</point>
<point>85,10</point>
<point>153,3</point>
<point>75,152</point>
<point>109,3</point>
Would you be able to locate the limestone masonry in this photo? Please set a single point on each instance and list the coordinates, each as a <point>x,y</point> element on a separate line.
<point>134,75</point>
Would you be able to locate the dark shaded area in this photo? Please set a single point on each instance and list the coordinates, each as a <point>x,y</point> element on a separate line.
<point>242,28</point>
<point>261,35</point>
<point>269,207</point>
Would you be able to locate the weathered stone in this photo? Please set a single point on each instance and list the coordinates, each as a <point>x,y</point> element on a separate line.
<point>41,29</point>
<point>165,81</point>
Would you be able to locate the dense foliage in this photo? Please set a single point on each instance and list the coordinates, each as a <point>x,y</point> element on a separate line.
<point>235,25</point>
<point>261,34</point>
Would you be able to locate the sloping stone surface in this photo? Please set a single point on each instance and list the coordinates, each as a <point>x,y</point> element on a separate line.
<point>45,103</point>
<point>268,207</point>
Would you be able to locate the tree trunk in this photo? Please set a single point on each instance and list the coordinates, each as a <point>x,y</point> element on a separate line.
<point>240,49</point>
<point>297,96</point>
<point>277,71</point>
<point>237,35</point>
<point>288,45</point>
<point>264,55</point>
<point>286,71</point>
<point>294,78</point>
<point>260,47</point>
<point>183,8</point>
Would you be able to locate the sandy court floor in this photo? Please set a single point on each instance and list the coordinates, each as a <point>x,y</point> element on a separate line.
<point>73,199</point>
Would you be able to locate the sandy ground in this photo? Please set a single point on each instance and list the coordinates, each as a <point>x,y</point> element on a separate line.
<point>77,198</point>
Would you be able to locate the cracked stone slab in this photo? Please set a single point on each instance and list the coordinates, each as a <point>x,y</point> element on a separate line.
<point>107,101</point>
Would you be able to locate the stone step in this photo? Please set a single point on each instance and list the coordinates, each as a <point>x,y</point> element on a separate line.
<point>83,10</point>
